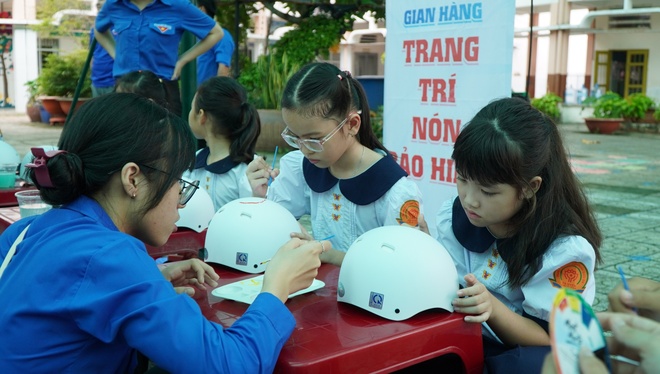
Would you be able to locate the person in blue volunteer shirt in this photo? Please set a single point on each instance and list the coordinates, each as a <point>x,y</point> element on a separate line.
<point>103,82</point>
<point>217,60</point>
<point>145,35</point>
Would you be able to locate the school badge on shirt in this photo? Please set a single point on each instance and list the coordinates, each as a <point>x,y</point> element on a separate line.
<point>573,275</point>
<point>164,29</point>
<point>409,213</point>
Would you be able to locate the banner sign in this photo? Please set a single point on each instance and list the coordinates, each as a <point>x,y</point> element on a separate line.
<point>444,61</point>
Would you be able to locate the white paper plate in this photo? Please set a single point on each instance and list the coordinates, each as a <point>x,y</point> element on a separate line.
<point>247,290</point>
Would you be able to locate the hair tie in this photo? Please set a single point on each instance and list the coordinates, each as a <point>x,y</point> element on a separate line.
<point>348,74</point>
<point>339,76</point>
<point>40,167</point>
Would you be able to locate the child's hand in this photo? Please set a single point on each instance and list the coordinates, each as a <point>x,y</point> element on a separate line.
<point>303,234</point>
<point>183,274</point>
<point>423,226</point>
<point>475,300</point>
<point>258,172</point>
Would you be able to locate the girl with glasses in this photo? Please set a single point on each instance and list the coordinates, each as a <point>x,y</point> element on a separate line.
<point>221,115</point>
<point>341,175</point>
<point>80,293</point>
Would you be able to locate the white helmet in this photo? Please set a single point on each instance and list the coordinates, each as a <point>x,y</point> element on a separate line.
<point>198,212</point>
<point>397,272</point>
<point>28,158</point>
<point>245,233</point>
<point>8,154</point>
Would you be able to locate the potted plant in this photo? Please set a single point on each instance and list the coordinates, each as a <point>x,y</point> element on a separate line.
<point>639,108</point>
<point>608,113</point>
<point>32,107</point>
<point>549,105</point>
<point>58,81</point>
<point>264,81</point>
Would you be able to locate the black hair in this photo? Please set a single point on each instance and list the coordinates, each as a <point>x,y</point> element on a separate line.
<point>322,90</point>
<point>209,7</point>
<point>144,83</point>
<point>226,105</point>
<point>510,142</point>
<point>110,131</point>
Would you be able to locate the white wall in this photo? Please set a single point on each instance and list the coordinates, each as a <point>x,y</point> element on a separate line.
<point>640,40</point>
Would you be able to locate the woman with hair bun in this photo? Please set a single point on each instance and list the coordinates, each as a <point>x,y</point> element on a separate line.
<point>79,291</point>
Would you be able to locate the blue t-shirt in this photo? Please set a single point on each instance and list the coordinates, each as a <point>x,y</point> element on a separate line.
<point>79,296</point>
<point>149,39</point>
<point>102,63</point>
<point>221,53</point>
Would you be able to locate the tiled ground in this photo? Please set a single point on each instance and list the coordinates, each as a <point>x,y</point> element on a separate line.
<point>622,176</point>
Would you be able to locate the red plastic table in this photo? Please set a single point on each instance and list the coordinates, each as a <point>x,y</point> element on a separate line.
<point>333,337</point>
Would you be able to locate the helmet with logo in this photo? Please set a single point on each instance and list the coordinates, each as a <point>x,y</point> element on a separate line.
<point>28,158</point>
<point>397,272</point>
<point>245,233</point>
<point>198,212</point>
<point>8,154</point>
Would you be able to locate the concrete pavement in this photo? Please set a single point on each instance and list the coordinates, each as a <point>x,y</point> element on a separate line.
<point>621,173</point>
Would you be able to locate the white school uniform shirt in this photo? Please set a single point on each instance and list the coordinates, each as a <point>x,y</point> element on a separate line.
<point>380,196</point>
<point>568,262</point>
<point>224,180</point>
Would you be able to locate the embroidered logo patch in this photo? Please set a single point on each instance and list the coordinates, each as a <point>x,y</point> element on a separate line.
<point>376,300</point>
<point>573,275</point>
<point>336,217</point>
<point>491,263</point>
<point>337,197</point>
<point>485,275</point>
<point>336,206</point>
<point>409,213</point>
<point>163,27</point>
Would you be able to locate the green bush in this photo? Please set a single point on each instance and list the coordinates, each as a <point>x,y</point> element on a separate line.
<point>548,104</point>
<point>265,79</point>
<point>60,74</point>
<point>637,105</point>
<point>377,122</point>
<point>610,105</point>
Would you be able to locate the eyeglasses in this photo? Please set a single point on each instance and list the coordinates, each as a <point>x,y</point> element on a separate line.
<point>187,189</point>
<point>314,145</point>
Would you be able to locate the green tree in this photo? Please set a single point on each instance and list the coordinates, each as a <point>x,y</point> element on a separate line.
<point>64,18</point>
<point>319,24</point>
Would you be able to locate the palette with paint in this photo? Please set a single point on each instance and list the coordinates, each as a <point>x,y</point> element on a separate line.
<point>573,325</point>
<point>247,290</point>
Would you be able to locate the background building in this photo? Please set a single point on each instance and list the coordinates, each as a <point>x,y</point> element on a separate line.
<point>574,44</point>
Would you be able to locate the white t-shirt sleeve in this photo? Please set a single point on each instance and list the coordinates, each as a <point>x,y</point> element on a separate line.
<point>401,205</point>
<point>569,262</point>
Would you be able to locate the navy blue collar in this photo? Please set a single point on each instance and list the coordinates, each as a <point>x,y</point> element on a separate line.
<point>473,238</point>
<point>365,188</point>
<point>218,167</point>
